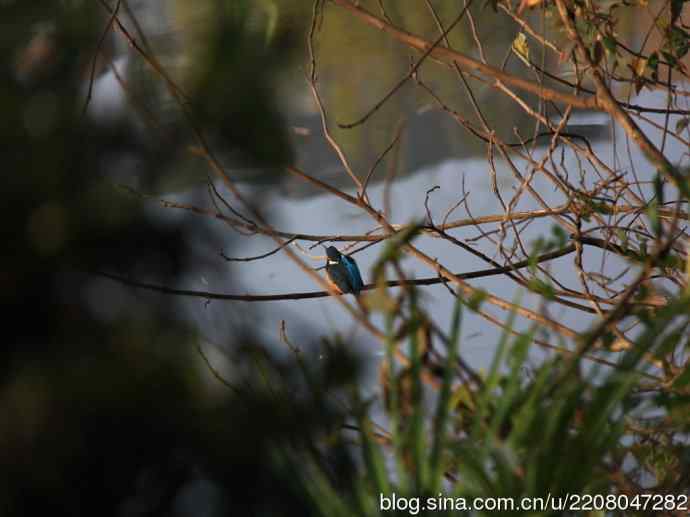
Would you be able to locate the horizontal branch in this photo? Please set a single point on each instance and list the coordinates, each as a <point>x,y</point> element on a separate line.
<point>458,223</point>
<point>322,294</point>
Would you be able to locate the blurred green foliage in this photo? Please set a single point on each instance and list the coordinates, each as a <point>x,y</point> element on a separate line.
<point>105,407</point>
<point>524,431</point>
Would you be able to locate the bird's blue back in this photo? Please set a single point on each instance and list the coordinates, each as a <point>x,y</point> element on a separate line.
<point>353,272</point>
<point>339,275</point>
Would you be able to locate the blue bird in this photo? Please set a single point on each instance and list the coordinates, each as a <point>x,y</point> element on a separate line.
<point>342,271</point>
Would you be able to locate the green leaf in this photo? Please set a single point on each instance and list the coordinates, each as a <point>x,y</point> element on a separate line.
<point>539,286</point>
<point>682,123</point>
<point>683,379</point>
<point>373,457</point>
<point>462,395</point>
<point>669,343</point>
<point>537,248</point>
<point>653,215</point>
<point>560,235</point>
<point>659,189</point>
<point>653,61</point>
<point>444,403</point>
<point>609,44</point>
<point>672,261</point>
<point>476,300</point>
<point>515,360</point>
<point>670,58</point>
<point>393,249</point>
<point>678,42</point>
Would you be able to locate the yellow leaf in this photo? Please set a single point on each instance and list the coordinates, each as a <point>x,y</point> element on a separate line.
<point>521,48</point>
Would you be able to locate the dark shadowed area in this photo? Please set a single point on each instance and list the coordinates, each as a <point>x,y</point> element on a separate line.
<point>502,188</point>
<point>106,406</point>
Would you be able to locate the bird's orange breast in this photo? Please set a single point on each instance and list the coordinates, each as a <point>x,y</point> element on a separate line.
<point>333,284</point>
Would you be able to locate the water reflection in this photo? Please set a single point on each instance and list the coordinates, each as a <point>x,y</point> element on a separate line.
<point>356,67</point>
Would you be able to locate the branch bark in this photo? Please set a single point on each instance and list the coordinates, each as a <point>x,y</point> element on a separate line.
<point>609,104</point>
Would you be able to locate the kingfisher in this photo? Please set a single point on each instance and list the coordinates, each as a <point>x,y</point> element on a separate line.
<point>342,272</point>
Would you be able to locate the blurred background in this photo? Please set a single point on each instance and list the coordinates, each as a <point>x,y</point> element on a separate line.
<point>117,401</point>
<point>107,406</point>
